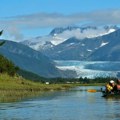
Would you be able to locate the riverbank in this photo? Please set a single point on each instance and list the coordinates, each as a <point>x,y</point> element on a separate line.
<point>16,88</point>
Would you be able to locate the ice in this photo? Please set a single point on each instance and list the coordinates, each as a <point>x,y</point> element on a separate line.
<point>80,67</point>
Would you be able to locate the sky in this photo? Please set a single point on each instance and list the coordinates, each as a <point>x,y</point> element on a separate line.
<point>25,19</point>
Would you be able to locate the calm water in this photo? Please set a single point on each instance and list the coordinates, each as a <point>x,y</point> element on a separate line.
<point>64,105</point>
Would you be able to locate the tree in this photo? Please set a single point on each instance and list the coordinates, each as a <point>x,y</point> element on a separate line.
<point>1,32</point>
<point>2,42</point>
<point>6,66</point>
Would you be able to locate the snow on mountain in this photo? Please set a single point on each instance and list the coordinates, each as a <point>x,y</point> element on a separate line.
<point>103,43</point>
<point>60,35</point>
<point>109,49</point>
<point>89,50</point>
<point>79,33</point>
<point>39,43</point>
<point>103,48</point>
<point>57,39</point>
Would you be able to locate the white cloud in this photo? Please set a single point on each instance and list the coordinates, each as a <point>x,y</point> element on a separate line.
<point>15,25</point>
<point>81,34</point>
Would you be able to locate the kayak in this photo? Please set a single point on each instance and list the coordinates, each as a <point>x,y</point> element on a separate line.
<point>116,95</point>
<point>110,95</point>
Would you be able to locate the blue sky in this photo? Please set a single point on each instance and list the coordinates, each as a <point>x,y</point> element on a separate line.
<point>23,19</point>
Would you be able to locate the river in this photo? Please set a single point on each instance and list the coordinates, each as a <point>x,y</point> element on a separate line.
<point>63,105</point>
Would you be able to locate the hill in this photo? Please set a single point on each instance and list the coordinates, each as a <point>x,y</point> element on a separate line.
<point>29,59</point>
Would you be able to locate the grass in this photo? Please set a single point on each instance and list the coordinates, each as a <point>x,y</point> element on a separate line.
<point>16,88</point>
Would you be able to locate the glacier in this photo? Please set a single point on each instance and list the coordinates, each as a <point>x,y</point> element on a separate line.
<point>90,69</point>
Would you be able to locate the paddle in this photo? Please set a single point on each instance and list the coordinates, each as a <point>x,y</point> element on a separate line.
<point>91,90</point>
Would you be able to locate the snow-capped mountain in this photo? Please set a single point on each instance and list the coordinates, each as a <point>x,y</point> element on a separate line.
<point>60,35</point>
<point>102,48</point>
<point>39,43</point>
<point>110,51</point>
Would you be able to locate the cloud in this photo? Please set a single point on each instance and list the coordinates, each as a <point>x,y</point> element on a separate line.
<point>16,24</point>
<point>87,33</point>
<point>80,34</point>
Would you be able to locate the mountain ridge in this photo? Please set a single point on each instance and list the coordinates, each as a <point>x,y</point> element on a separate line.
<point>86,48</point>
<point>60,35</point>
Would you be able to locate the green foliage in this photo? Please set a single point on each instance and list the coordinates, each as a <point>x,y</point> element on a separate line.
<point>2,42</point>
<point>6,66</point>
<point>1,32</point>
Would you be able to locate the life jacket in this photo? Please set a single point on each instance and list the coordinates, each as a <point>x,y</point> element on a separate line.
<point>109,87</point>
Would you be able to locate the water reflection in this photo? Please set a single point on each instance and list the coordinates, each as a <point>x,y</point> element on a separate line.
<point>76,104</point>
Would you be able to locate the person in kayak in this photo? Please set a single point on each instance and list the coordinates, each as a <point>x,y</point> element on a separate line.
<point>118,84</point>
<point>110,87</point>
<point>117,87</point>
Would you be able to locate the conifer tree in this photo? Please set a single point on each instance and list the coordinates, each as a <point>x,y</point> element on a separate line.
<point>2,42</point>
<point>7,66</point>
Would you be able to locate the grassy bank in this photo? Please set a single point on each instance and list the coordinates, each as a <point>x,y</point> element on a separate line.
<point>16,88</point>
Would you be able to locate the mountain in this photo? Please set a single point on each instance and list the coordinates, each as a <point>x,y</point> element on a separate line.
<point>29,59</point>
<point>39,43</point>
<point>84,44</point>
<point>110,51</point>
<point>86,31</point>
<point>101,48</point>
<point>61,34</point>
<point>74,49</point>
<point>60,30</point>
<point>73,43</point>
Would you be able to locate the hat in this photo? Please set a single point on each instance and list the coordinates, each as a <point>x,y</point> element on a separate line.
<point>111,81</point>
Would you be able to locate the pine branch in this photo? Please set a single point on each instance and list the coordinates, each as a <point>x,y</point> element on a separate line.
<point>1,32</point>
